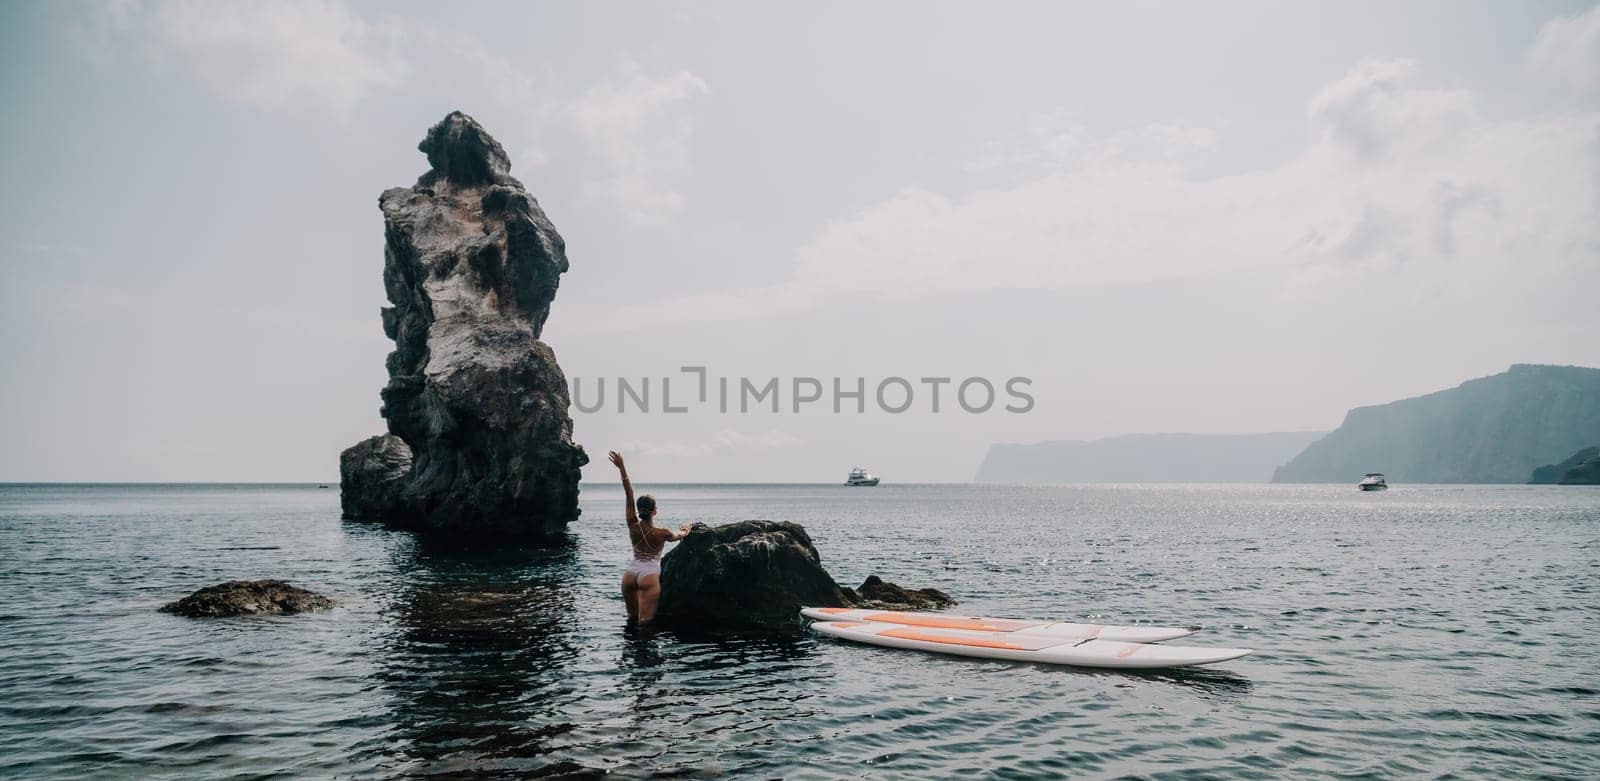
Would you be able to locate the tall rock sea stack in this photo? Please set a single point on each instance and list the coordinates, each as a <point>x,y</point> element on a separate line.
<point>471,265</point>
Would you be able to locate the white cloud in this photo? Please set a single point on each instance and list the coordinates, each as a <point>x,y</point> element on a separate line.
<point>527,100</point>
<point>1568,51</point>
<point>1054,141</point>
<point>271,55</point>
<point>98,27</point>
<point>1374,111</point>
<point>722,442</point>
<point>1398,184</point>
<point>640,127</point>
<point>1046,141</point>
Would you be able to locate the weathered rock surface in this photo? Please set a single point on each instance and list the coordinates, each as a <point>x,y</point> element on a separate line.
<point>1582,468</point>
<point>471,266</point>
<point>372,474</point>
<point>750,572</point>
<point>754,573</point>
<point>248,597</point>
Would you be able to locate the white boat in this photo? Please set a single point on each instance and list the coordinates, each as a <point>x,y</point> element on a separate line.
<point>859,476</point>
<point>1373,482</point>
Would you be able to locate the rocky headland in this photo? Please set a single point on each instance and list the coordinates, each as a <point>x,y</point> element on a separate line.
<point>1492,429</point>
<point>760,573</point>
<point>480,438</point>
<point>1583,468</point>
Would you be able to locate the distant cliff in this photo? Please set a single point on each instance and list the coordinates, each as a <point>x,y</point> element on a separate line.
<point>1490,430</point>
<point>1145,458</point>
<point>1583,468</point>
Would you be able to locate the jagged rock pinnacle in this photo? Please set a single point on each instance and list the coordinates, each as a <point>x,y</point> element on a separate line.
<point>471,266</point>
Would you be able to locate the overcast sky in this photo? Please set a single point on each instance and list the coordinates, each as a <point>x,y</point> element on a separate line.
<point>1220,217</point>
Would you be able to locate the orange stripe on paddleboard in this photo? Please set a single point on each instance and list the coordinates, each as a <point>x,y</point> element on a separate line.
<point>1132,649</point>
<point>976,642</point>
<point>833,611</point>
<point>940,622</point>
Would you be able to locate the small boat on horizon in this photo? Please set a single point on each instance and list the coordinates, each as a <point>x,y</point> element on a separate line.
<point>859,476</point>
<point>1374,481</point>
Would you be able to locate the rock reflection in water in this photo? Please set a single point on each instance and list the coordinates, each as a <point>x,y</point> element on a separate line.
<point>688,698</point>
<point>474,661</point>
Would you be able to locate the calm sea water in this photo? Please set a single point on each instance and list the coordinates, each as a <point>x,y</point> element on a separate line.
<point>1430,630</point>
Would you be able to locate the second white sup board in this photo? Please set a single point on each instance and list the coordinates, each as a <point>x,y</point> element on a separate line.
<point>1064,630</point>
<point>1026,648</point>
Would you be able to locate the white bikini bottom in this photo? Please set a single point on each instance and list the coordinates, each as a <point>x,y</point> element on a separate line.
<point>643,567</point>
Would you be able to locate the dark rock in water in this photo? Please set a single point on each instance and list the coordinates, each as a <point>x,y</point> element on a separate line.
<point>1583,468</point>
<point>248,597</point>
<point>754,573</point>
<point>750,572</point>
<point>471,266</point>
<point>878,593</point>
<point>372,473</point>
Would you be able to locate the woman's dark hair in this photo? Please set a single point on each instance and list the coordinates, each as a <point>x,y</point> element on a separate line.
<point>646,505</point>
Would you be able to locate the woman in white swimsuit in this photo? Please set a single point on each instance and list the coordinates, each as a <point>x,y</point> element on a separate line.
<point>641,581</point>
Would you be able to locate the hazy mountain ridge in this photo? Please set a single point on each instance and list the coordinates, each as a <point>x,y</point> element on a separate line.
<point>1583,468</point>
<point>1493,429</point>
<point>1145,458</point>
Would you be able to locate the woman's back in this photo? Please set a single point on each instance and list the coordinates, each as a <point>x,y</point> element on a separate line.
<point>648,541</point>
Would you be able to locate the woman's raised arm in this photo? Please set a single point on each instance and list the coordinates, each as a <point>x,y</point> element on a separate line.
<point>627,487</point>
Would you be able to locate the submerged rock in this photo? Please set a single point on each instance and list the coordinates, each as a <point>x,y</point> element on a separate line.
<point>754,573</point>
<point>248,597</point>
<point>471,266</point>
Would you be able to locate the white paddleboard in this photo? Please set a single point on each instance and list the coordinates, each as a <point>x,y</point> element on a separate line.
<point>1057,629</point>
<point>1018,647</point>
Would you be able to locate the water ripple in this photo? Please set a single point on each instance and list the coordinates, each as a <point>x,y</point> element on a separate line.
<point>1446,631</point>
